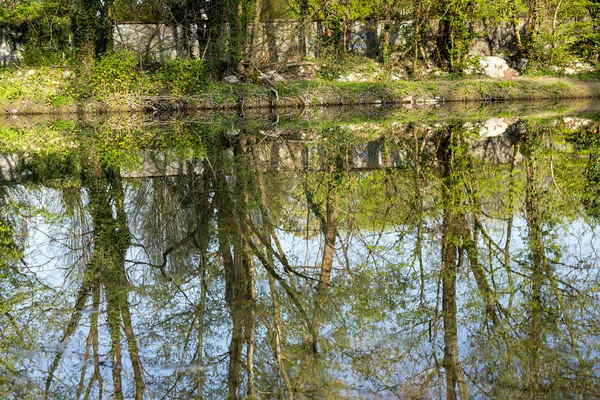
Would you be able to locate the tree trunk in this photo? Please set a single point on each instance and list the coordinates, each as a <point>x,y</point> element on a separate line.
<point>256,30</point>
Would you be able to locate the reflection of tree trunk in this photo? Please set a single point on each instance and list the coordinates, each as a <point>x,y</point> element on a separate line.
<point>111,241</point>
<point>94,332</point>
<point>231,263</point>
<point>418,208</point>
<point>509,224</point>
<point>133,350</point>
<point>249,292</point>
<point>235,351</point>
<point>542,270</point>
<point>328,226</point>
<point>534,224</point>
<point>454,374</point>
<point>201,312</point>
<point>451,232</point>
<point>88,345</point>
<point>114,328</point>
<point>94,328</point>
<point>250,325</point>
<point>88,282</point>
<point>330,231</point>
<point>204,235</point>
<point>485,291</point>
<point>232,233</point>
<point>268,232</point>
<point>224,209</point>
<point>199,349</point>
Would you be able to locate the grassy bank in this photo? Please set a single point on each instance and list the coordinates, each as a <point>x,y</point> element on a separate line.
<point>55,90</point>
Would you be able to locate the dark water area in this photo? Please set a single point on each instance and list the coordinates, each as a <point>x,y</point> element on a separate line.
<point>442,252</point>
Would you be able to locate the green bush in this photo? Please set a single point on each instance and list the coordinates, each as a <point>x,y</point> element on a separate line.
<point>184,77</point>
<point>587,46</point>
<point>333,67</point>
<point>118,73</point>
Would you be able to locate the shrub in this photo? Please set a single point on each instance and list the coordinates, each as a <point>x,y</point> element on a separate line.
<point>118,73</point>
<point>184,77</point>
<point>587,46</point>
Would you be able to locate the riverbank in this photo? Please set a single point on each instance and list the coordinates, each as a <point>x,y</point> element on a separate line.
<point>56,91</point>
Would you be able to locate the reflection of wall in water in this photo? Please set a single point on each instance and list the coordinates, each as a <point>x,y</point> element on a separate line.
<point>494,144</point>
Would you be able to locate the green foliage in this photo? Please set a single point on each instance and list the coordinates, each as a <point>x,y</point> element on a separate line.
<point>118,73</point>
<point>41,29</point>
<point>184,77</point>
<point>589,139</point>
<point>48,138</point>
<point>42,85</point>
<point>333,67</point>
<point>456,32</point>
<point>10,251</point>
<point>587,46</point>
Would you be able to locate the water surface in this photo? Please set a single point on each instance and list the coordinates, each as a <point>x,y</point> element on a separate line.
<point>381,253</point>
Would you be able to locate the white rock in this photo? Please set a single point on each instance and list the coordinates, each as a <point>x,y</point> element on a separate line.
<point>30,72</point>
<point>231,79</point>
<point>494,72</point>
<point>570,71</point>
<point>493,127</point>
<point>496,62</point>
<point>277,78</point>
<point>494,67</point>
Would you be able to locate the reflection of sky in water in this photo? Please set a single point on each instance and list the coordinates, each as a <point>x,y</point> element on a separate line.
<point>406,328</point>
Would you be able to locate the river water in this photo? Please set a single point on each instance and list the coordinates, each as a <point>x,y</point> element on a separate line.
<point>435,252</point>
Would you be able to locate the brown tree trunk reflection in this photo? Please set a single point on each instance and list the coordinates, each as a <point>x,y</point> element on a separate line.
<point>111,240</point>
<point>534,217</point>
<point>451,232</point>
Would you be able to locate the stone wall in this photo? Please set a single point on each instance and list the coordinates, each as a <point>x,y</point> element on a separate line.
<point>8,51</point>
<point>279,40</point>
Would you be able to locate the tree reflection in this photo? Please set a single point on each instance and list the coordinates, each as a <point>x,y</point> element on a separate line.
<point>419,271</point>
<point>104,275</point>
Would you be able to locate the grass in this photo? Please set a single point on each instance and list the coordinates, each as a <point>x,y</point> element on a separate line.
<point>49,90</point>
